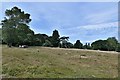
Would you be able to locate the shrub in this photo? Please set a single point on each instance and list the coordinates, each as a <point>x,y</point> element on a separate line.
<point>118,47</point>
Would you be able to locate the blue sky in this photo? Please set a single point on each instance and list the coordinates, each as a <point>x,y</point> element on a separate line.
<point>85,21</point>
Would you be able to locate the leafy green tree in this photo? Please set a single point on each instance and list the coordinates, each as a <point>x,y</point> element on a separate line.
<point>110,44</point>
<point>100,45</point>
<point>55,38</point>
<point>118,47</point>
<point>8,31</point>
<point>87,46</point>
<point>70,45</point>
<point>39,39</point>
<point>78,44</point>
<point>47,43</point>
<point>112,41</point>
<point>25,35</point>
<point>45,36</point>
<point>64,42</point>
<point>15,27</point>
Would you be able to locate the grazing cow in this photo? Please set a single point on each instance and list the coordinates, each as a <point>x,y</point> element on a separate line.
<point>23,46</point>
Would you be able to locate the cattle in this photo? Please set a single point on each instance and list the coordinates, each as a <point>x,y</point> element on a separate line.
<point>23,46</point>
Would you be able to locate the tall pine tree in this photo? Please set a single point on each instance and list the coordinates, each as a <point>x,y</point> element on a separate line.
<point>78,44</point>
<point>55,38</point>
<point>15,27</point>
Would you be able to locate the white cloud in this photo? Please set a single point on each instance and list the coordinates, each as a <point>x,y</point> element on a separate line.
<point>103,16</point>
<point>99,26</point>
<point>90,33</point>
<point>95,27</point>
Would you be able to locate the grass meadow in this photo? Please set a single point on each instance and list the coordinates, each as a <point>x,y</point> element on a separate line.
<point>43,62</point>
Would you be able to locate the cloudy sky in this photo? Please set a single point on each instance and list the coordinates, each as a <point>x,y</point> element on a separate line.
<point>85,21</point>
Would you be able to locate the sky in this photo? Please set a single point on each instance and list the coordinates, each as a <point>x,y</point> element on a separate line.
<point>84,21</point>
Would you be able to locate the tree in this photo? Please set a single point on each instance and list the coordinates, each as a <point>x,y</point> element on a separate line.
<point>87,46</point>
<point>45,36</point>
<point>25,35</point>
<point>8,31</point>
<point>111,44</point>
<point>78,44</point>
<point>64,42</point>
<point>70,45</point>
<point>118,47</point>
<point>38,40</point>
<point>112,41</point>
<point>100,45</point>
<point>47,43</point>
<point>15,27</point>
<point>55,38</point>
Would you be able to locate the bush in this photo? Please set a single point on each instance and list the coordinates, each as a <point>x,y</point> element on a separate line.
<point>47,43</point>
<point>100,45</point>
<point>118,47</point>
<point>78,44</point>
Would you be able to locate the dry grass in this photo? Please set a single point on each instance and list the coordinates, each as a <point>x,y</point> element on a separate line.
<point>39,62</point>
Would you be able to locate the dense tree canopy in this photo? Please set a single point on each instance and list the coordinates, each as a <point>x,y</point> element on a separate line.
<point>39,39</point>
<point>78,44</point>
<point>110,44</point>
<point>64,42</point>
<point>55,38</point>
<point>87,46</point>
<point>118,47</point>
<point>100,45</point>
<point>15,27</point>
<point>112,41</point>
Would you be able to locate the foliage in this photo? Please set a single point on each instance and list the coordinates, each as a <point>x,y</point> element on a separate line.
<point>78,44</point>
<point>109,45</point>
<point>118,47</point>
<point>87,46</point>
<point>64,42</point>
<point>0,36</point>
<point>38,40</point>
<point>47,43</point>
<point>112,41</point>
<point>100,45</point>
<point>25,35</point>
<point>15,27</point>
<point>55,38</point>
<point>70,45</point>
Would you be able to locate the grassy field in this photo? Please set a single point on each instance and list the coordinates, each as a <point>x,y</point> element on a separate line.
<point>39,62</point>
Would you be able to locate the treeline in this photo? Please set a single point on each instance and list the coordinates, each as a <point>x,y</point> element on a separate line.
<point>16,31</point>
<point>111,44</point>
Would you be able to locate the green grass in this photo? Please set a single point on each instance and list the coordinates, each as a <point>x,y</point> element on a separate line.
<point>39,62</point>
